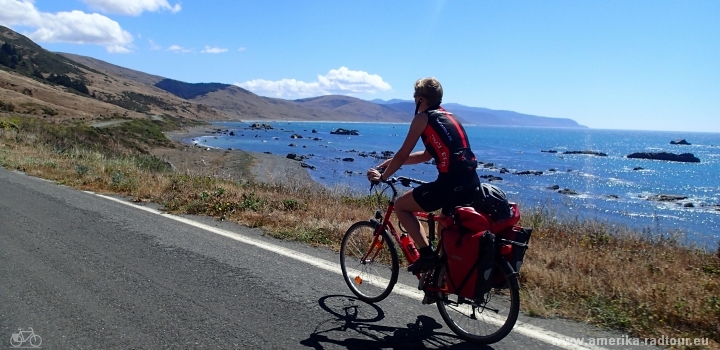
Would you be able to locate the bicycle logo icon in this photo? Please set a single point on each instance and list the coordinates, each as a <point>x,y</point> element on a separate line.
<point>17,340</point>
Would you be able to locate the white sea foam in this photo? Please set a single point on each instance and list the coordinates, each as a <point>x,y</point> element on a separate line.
<point>615,180</point>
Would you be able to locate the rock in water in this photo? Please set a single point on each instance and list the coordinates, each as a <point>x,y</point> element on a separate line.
<point>672,157</point>
<point>680,142</point>
<point>341,131</point>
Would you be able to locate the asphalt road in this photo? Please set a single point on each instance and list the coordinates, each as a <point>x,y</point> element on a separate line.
<point>90,272</point>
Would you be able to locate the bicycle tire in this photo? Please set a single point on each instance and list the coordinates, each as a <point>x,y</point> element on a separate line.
<point>370,281</point>
<point>35,341</point>
<point>14,343</point>
<point>473,320</point>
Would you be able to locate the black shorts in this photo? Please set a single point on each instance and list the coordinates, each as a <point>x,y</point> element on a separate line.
<point>447,192</point>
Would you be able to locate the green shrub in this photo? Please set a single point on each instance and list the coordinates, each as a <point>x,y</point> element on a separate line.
<point>81,169</point>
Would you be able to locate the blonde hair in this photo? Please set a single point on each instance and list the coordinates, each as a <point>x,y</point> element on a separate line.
<point>430,89</point>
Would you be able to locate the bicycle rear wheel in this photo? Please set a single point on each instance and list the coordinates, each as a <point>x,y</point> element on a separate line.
<point>488,319</point>
<point>370,279</point>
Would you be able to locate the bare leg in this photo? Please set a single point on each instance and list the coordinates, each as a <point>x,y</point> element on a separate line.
<point>404,208</point>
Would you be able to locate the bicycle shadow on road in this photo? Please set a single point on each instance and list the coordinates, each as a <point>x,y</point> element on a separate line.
<point>354,326</point>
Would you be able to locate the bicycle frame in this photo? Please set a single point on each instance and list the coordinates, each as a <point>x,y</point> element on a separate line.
<point>410,255</point>
<point>20,335</point>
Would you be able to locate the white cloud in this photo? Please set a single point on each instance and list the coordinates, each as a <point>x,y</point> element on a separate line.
<point>178,49</point>
<point>153,45</point>
<point>241,49</point>
<point>75,27</point>
<point>209,49</point>
<point>337,81</point>
<point>117,49</point>
<point>131,7</point>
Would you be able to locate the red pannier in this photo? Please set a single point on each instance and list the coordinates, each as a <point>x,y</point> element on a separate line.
<point>469,248</point>
<point>513,253</point>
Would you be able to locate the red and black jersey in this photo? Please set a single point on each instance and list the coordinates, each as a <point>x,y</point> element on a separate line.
<point>446,141</point>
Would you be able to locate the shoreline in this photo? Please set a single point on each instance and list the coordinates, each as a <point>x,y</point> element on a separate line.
<point>235,164</point>
<point>468,124</point>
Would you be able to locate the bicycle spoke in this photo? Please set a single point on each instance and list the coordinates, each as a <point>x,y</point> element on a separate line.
<point>369,265</point>
<point>486,320</point>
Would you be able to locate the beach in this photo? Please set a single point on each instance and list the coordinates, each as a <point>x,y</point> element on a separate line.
<point>232,164</point>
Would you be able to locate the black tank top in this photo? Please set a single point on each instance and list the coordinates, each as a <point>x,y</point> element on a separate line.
<point>446,141</point>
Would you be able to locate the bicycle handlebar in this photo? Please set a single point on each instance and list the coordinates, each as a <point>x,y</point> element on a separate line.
<point>406,181</point>
<point>403,180</point>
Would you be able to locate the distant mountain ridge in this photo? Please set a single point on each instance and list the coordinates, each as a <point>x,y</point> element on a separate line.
<point>485,116</point>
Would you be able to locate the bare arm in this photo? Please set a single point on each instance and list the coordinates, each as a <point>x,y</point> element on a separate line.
<point>418,157</point>
<point>403,156</point>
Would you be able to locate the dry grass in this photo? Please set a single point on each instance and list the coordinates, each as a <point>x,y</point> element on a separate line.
<point>585,270</point>
<point>610,275</point>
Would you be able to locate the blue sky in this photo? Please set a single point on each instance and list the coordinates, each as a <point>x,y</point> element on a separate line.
<point>644,65</point>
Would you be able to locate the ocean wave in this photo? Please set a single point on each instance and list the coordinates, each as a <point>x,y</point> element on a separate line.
<point>654,216</point>
<point>615,180</point>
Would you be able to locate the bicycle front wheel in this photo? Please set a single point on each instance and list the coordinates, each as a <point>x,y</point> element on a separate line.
<point>35,341</point>
<point>488,319</point>
<point>369,263</point>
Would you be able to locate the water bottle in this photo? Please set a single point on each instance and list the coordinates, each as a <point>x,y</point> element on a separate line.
<point>409,245</point>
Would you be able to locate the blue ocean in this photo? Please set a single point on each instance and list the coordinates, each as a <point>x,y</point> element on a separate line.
<point>610,188</point>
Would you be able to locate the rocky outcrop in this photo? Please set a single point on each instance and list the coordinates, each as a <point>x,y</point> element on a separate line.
<point>296,136</point>
<point>341,131</point>
<point>261,126</point>
<point>306,165</point>
<point>592,153</point>
<point>568,191</point>
<point>529,172</point>
<point>294,156</point>
<point>672,157</point>
<point>680,142</point>
<point>666,197</point>
<point>491,178</point>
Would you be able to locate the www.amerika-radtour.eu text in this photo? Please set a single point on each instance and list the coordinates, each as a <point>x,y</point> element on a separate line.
<point>625,340</point>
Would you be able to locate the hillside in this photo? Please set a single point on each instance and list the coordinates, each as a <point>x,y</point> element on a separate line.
<point>36,82</point>
<point>188,90</point>
<point>113,70</point>
<point>354,107</point>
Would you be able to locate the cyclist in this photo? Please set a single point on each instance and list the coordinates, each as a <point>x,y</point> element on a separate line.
<point>447,143</point>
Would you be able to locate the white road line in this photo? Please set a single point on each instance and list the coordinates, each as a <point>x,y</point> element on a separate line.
<point>550,337</point>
